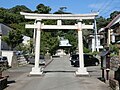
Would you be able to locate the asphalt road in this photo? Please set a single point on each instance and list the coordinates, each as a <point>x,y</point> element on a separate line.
<point>58,75</point>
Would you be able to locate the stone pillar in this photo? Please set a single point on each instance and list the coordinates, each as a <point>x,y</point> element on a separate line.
<point>113,36</point>
<point>81,70</point>
<point>108,42</point>
<point>59,22</point>
<point>34,34</point>
<point>34,37</point>
<point>36,70</point>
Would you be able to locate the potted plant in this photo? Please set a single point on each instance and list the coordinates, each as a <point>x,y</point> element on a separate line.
<point>3,79</point>
<point>2,68</point>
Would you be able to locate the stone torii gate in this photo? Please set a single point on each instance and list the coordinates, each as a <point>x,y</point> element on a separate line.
<point>36,70</point>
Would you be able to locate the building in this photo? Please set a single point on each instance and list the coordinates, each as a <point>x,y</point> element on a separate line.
<point>112,36</point>
<point>4,48</point>
<point>92,43</point>
<point>4,30</point>
<point>106,36</point>
<point>64,43</point>
<point>113,30</point>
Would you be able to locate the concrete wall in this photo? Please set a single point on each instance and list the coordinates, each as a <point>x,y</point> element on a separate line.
<point>9,55</point>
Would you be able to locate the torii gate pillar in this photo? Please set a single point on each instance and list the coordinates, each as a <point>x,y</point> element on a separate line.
<point>36,70</point>
<point>81,70</point>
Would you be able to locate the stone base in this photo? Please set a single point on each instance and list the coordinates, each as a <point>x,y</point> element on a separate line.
<point>82,72</point>
<point>36,71</point>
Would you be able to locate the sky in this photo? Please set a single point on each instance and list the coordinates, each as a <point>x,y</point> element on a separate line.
<point>105,7</point>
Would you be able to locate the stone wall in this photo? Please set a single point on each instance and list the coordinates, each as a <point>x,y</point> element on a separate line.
<point>114,85</point>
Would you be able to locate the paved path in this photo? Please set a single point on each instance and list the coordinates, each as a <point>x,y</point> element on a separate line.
<point>59,75</point>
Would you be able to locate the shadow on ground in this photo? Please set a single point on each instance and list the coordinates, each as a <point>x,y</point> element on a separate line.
<point>10,82</point>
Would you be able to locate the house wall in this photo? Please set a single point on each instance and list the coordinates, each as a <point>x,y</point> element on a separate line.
<point>92,46</point>
<point>9,55</point>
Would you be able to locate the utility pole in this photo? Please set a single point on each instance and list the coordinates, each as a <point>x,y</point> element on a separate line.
<point>96,36</point>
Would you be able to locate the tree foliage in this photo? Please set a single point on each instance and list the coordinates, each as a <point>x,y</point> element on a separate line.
<point>102,22</point>
<point>114,14</point>
<point>49,41</point>
<point>13,39</point>
<point>62,11</point>
<point>19,8</point>
<point>114,49</point>
<point>41,8</point>
<point>72,37</point>
<point>12,15</point>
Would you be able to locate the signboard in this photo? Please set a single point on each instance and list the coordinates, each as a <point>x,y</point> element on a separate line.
<point>105,59</point>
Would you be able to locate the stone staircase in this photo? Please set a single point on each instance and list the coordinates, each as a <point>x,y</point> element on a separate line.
<point>22,60</point>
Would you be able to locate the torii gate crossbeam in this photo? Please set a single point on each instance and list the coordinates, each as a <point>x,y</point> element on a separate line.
<point>36,70</point>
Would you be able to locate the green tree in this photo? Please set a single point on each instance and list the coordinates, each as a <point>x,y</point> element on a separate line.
<point>85,36</point>
<point>13,39</point>
<point>41,8</point>
<point>72,37</point>
<point>8,16</point>
<point>19,8</point>
<point>86,50</point>
<point>49,41</point>
<point>61,10</point>
<point>26,48</point>
<point>101,22</point>
<point>21,27</point>
<point>2,11</point>
<point>114,49</point>
<point>114,14</point>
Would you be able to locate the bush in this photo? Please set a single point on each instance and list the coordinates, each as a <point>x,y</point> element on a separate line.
<point>114,49</point>
<point>85,50</point>
<point>2,68</point>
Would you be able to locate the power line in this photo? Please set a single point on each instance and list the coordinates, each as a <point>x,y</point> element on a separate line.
<point>108,14</point>
<point>105,6</point>
<point>95,4</point>
<point>110,10</point>
<point>102,5</point>
<point>97,1</point>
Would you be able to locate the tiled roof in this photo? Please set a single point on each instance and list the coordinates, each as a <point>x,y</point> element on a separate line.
<point>4,29</point>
